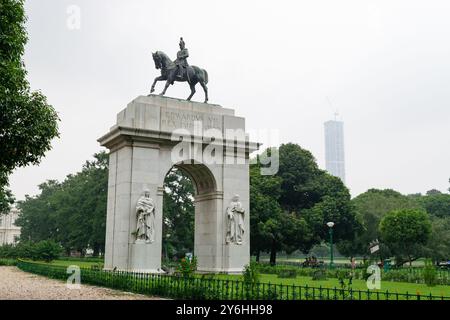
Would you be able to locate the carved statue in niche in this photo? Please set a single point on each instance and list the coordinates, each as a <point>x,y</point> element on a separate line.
<point>145,214</point>
<point>235,221</point>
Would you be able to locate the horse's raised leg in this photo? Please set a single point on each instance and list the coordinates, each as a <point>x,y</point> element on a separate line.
<point>165,88</point>
<point>160,78</point>
<point>192,91</point>
<point>205,89</point>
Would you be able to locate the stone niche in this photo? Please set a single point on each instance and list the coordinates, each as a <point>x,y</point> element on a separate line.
<point>144,145</point>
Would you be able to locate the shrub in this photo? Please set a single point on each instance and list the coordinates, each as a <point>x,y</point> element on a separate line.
<point>187,267</point>
<point>287,274</point>
<point>319,274</point>
<point>47,250</point>
<point>251,273</point>
<point>8,262</point>
<point>430,274</point>
<point>97,266</point>
<point>7,252</point>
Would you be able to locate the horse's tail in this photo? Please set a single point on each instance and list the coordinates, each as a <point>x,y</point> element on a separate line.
<point>206,76</point>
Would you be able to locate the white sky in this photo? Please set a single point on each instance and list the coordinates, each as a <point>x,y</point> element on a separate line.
<point>383,64</point>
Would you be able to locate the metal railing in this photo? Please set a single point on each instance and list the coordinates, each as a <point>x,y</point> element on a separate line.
<point>206,288</point>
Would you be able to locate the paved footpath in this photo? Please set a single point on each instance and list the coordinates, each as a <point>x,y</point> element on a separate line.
<point>17,285</point>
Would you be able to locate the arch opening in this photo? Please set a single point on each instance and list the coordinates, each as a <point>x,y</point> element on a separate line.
<point>182,184</point>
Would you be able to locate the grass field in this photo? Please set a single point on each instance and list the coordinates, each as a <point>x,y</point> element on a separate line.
<point>81,263</point>
<point>392,287</point>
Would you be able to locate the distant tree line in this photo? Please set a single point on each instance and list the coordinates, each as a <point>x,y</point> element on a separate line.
<point>289,212</point>
<point>72,212</point>
<point>407,227</point>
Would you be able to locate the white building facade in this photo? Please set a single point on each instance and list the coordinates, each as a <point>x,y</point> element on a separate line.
<point>334,148</point>
<point>9,232</point>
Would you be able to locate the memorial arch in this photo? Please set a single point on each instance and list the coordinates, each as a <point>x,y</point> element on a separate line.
<point>142,148</point>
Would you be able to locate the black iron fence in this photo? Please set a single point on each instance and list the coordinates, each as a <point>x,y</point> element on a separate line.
<point>404,274</point>
<point>207,287</point>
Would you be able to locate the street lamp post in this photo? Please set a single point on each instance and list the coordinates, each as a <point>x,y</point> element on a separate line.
<point>330,231</point>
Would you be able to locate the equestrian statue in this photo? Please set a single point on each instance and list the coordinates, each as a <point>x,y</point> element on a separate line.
<point>179,70</point>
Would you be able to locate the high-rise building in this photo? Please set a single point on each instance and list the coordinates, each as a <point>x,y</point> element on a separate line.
<point>334,148</point>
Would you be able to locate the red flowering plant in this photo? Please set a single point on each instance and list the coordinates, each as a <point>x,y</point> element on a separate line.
<point>187,267</point>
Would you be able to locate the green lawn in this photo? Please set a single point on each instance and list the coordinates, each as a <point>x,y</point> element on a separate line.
<point>392,287</point>
<point>66,263</point>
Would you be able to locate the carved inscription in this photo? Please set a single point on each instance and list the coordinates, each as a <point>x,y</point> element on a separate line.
<point>176,119</point>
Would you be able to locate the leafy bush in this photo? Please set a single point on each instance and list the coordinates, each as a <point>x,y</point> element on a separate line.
<point>414,275</point>
<point>251,273</point>
<point>187,267</point>
<point>287,274</point>
<point>8,262</point>
<point>319,274</point>
<point>430,274</point>
<point>46,250</point>
<point>7,251</point>
<point>271,294</point>
<point>97,266</point>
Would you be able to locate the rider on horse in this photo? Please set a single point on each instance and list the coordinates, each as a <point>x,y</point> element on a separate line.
<point>181,61</point>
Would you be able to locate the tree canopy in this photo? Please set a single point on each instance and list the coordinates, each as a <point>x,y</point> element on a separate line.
<point>289,211</point>
<point>72,212</point>
<point>370,208</point>
<point>27,122</point>
<point>406,232</point>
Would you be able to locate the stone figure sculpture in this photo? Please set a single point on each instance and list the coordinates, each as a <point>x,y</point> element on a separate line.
<point>235,221</point>
<point>145,212</point>
<point>179,70</point>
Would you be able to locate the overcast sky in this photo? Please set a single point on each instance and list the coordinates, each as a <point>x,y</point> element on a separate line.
<point>384,65</point>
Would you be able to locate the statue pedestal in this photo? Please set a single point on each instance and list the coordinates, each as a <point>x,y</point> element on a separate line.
<point>145,257</point>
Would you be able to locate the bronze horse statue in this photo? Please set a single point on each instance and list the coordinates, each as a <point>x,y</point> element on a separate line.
<point>169,72</point>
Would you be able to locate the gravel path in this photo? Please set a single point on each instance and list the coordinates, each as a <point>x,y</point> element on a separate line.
<point>17,285</point>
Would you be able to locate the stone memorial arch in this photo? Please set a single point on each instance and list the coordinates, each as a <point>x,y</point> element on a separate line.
<point>205,141</point>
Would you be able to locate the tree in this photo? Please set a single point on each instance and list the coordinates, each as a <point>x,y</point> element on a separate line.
<point>72,212</point>
<point>406,232</point>
<point>27,122</point>
<point>433,192</point>
<point>37,218</point>
<point>436,204</point>
<point>265,210</point>
<point>314,197</point>
<point>6,196</point>
<point>371,206</point>
<point>438,246</point>
<point>289,210</point>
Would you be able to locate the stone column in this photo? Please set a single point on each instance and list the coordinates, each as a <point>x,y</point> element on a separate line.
<point>236,182</point>
<point>208,234</point>
<point>118,222</point>
<point>145,257</point>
